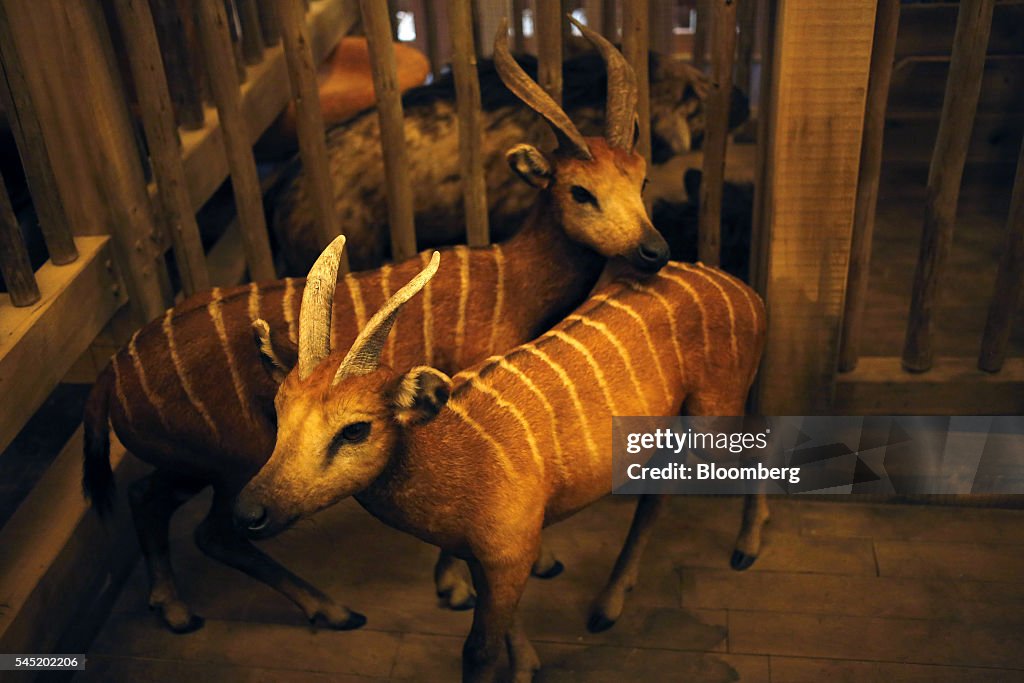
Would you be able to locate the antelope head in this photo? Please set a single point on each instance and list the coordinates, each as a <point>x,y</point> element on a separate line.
<point>595,183</point>
<point>338,416</point>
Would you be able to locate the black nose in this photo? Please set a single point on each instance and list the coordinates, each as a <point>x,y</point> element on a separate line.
<point>250,515</point>
<point>652,254</point>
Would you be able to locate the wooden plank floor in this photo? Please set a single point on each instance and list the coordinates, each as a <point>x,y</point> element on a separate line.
<point>843,592</point>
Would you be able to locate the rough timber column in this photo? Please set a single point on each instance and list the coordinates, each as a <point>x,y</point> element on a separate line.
<point>822,57</point>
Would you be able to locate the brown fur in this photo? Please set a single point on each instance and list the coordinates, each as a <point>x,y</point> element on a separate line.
<point>524,438</point>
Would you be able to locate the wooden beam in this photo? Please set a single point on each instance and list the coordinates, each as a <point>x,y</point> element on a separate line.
<point>547,27</point>
<point>1009,282</point>
<point>820,74</point>
<point>467,102</point>
<point>252,36</point>
<point>609,20</point>
<point>433,39</point>
<point>220,65</point>
<point>23,115</point>
<point>38,344</point>
<point>178,47</point>
<point>954,386</point>
<point>723,49</point>
<point>377,24</point>
<point>309,121</point>
<point>14,263</point>
<point>269,25</point>
<point>636,48</point>
<point>702,32</point>
<point>746,19</point>
<point>882,55</point>
<point>157,115</point>
<point>962,89</point>
<point>760,238</point>
<point>518,38</point>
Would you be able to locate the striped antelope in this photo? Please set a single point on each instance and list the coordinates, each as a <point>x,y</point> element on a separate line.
<point>188,393</point>
<point>479,464</point>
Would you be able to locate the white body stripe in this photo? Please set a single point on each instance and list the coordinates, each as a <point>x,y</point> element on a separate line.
<point>179,369</point>
<point>688,288</point>
<point>356,294</point>
<point>499,300</point>
<point>622,351</point>
<point>428,317</point>
<point>288,308</point>
<point>482,385</point>
<point>673,327</point>
<point>217,315</point>
<point>573,394</point>
<point>385,288</point>
<point>460,323</point>
<point>602,381</point>
<point>703,273</point>
<point>254,302</point>
<point>154,399</point>
<point>499,450</point>
<point>521,376</point>
<point>647,336</point>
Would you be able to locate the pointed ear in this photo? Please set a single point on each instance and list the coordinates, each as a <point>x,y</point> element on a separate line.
<point>420,395</point>
<point>277,355</point>
<point>529,164</point>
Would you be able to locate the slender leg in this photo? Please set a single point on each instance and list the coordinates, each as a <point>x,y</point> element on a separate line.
<point>154,498</point>
<point>216,536</point>
<point>498,588</point>
<point>608,606</point>
<point>453,583</point>
<point>748,543</point>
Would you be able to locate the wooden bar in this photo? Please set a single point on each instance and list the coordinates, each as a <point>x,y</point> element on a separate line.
<point>760,238</point>
<point>636,48</point>
<point>430,23</point>
<point>185,78</point>
<point>270,27</point>
<point>518,37</point>
<point>547,27</point>
<point>822,55</point>
<point>235,31</point>
<point>252,37</point>
<point>162,140</point>
<point>961,101</point>
<point>309,120</point>
<point>746,19</point>
<point>377,25</point>
<point>882,55</point>
<point>723,48</point>
<point>220,64</point>
<point>609,20</point>
<point>117,167</point>
<point>467,101</point>
<point>1009,280</point>
<point>14,263</point>
<point>24,118</point>
<point>702,32</point>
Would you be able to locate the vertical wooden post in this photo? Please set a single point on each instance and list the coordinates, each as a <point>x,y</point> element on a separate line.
<point>636,49</point>
<point>14,263</point>
<point>723,49</point>
<point>963,86</point>
<point>185,76</point>
<point>392,128</point>
<point>430,23</point>
<point>882,55</point>
<point>609,22</point>
<point>252,36</point>
<point>518,39</point>
<point>105,117</point>
<point>702,32</point>
<point>235,34</point>
<point>746,18</point>
<point>309,120</point>
<point>547,27</point>
<point>1008,281</point>
<point>215,36</point>
<point>761,237</point>
<point>820,74</point>
<point>269,26</point>
<point>467,101</point>
<point>163,142</point>
<point>23,115</point>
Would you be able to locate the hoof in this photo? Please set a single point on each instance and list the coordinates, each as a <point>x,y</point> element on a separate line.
<point>599,622</point>
<point>194,623</point>
<point>352,622</point>
<point>469,602</point>
<point>551,572</point>
<point>740,560</point>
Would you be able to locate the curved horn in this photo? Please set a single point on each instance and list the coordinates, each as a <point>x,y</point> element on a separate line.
<point>570,142</point>
<point>364,356</point>
<point>620,107</point>
<point>317,303</point>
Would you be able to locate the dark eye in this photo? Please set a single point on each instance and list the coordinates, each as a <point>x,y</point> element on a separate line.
<point>582,195</point>
<point>355,432</point>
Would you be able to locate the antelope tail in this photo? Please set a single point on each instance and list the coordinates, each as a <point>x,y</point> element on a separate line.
<point>97,477</point>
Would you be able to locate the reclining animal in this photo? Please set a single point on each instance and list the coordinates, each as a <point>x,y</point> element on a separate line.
<point>480,463</point>
<point>188,393</point>
<point>431,134</point>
